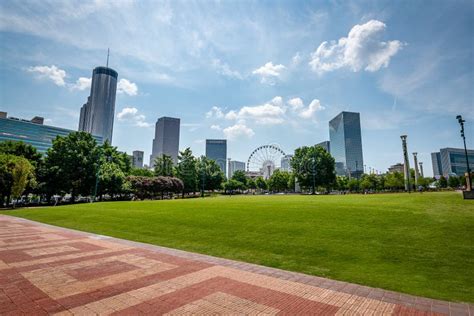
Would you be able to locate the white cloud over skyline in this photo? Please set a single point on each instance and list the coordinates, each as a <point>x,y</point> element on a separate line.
<point>131,115</point>
<point>52,73</point>
<point>362,49</point>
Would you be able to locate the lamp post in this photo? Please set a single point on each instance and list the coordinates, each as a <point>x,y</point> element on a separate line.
<point>469,183</point>
<point>108,159</point>
<point>407,164</point>
<point>313,187</point>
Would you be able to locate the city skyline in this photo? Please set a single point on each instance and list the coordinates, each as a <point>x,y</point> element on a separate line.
<point>402,82</point>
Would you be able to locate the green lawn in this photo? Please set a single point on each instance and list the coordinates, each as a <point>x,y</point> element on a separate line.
<point>421,244</point>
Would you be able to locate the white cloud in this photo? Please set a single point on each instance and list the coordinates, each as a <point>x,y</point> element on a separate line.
<point>81,84</point>
<point>127,87</point>
<point>225,70</point>
<point>360,50</point>
<point>296,103</point>
<point>269,72</point>
<point>238,130</point>
<point>53,73</point>
<point>130,114</point>
<point>312,108</point>
<point>296,60</point>
<point>269,113</point>
<point>216,127</point>
<point>215,112</point>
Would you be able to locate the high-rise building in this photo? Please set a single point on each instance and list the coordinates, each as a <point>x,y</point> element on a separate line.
<point>216,149</point>
<point>234,166</point>
<point>399,167</point>
<point>32,132</point>
<point>451,161</point>
<point>436,162</point>
<point>346,143</point>
<point>326,145</point>
<point>166,141</point>
<point>137,159</point>
<point>97,114</point>
<point>285,163</point>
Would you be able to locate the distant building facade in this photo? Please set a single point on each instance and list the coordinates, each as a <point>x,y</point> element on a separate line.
<point>326,145</point>
<point>346,143</point>
<point>451,161</point>
<point>399,167</point>
<point>436,162</point>
<point>97,114</point>
<point>137,159</point>
<point>166,141</point>
<point>285,164</point>
<point>216,149</point>
<point>234,166</point>
<point>32,132</point>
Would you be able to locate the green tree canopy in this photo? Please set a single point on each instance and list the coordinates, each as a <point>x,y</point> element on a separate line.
<point>16,173</point>
<point>21,149</point>
<point>313,160</point>
<point>71,164</point>
<point>111,179</point>
<point>261,183</point>
<point>186,170</point>
<point>109,153</point>
<point>209,174</point>
<point>239,175</point>
<point>164,166</point>
<point>279,181</point>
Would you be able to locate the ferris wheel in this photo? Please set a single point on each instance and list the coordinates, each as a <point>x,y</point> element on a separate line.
<point>265,159</point>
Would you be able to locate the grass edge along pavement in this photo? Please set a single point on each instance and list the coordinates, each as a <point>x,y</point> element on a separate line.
<point>420,244</point>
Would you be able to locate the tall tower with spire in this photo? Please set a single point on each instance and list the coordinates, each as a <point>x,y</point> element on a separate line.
<point>97,114</point>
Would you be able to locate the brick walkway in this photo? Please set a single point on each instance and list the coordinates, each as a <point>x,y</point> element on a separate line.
<point>51,270</point>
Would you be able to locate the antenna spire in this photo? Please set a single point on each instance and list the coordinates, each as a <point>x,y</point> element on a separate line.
<point>108,51</point>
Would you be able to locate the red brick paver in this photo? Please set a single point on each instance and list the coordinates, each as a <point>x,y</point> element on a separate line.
<point>52,270</point>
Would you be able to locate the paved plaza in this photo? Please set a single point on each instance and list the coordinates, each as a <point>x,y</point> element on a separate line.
<point>51,270</point>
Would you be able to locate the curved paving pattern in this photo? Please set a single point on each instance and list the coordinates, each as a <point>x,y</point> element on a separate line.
<point>51,270</point>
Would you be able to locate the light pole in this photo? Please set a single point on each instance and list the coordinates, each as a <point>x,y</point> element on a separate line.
<point>108,159</point>
<point>469,183</point>
<point>417,175</point>
<point>313,188</point>
<point>407,164</point>
<point>421,169</point>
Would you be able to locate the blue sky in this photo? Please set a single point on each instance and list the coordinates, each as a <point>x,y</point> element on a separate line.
<point>252,72</point>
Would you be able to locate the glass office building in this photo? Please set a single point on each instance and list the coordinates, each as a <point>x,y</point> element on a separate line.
<point>326,145</point>
<point>346,143</point>
<point>166,141</point>
<point>285,163</point>
<point>32,132</point>
<point>234,166</point>
<point>216,149</point>
<point>451,161</point>
<point>97,114</point>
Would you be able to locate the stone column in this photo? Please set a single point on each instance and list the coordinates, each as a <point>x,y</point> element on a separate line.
<point>406,166</point>
<point>417,174</point>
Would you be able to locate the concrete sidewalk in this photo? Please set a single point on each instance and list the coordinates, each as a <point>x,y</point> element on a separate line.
<point>51,270</point>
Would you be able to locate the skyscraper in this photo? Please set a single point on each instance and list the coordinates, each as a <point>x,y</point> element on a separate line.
<point>216,149</point>
<point>97,114</point>
<point>137,159</point>
<point>285,163</point>
<point>234,166</point>
<point>451,161</point>
<point>166,141</point>
<point>326,145</point>
<point>346,143</point>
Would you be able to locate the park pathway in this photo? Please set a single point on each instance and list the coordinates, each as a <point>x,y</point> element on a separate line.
<point>51,270</point>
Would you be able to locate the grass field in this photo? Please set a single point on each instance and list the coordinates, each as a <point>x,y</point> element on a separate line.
<point>420,244</point>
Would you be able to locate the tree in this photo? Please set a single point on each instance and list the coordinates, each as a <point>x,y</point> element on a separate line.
<point>109,153</point>
<point>342,183</point>
<point>164,166</point>
<point>186,170</point>
<point>453,182</point>
<point>231,185</point>
<point>209,174</point>
<point>251,184</point>
<point>442,182</point>
<point>16,173</point>
<point>313,166</point>
<point>72,164</point>
<point>23,150</point>
<point>395,181</point>
<point>261,183</point>
<point>111,179</point>
<point>239,175</point>
<point>278,181</point>
<point>353,185</point>
<point>141,172</point>
<point>369,182</point>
